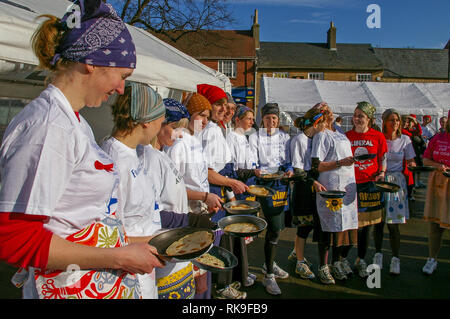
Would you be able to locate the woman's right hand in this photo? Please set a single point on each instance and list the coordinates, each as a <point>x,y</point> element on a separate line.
<point>237,186</point>
<point>442,168</point>
<point>213,202</point>
<point>138,258</point>
<point>319,187</point>
<point>348,161</point>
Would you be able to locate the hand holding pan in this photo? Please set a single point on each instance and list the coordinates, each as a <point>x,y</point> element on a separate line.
<point>446,172</point>
<point>165,239</point>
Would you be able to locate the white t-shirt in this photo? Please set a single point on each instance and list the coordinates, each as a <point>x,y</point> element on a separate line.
<point>215,148</point>
<point>300,149</point>
<point>173,190</point>
<point>242,156</point>
<point>427,132</point>
<point>51,165</point>
<point>187,155</point>
<point>399,149</point>
<point>272,150</point>
<point>139,195</point>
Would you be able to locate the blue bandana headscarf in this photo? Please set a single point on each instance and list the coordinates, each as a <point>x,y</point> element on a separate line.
<point>241,110</point>
<point>175,111</point>
<point>94,34</point>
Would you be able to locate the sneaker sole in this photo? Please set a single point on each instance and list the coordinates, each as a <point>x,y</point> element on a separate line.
<point>306,278</point>
<point>328,283</point>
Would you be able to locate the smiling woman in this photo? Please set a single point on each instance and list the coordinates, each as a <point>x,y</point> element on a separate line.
<point>48,222</point>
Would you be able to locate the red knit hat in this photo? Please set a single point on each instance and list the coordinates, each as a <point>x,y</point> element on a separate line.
<point>211,92</point>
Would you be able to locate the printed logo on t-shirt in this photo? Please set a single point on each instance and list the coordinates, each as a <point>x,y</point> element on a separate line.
<point>362,164</point>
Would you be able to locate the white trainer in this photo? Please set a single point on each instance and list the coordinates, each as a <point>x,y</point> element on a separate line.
<point>395,266</point>
<point>277,271</point>
<point>378,260</point>
<point>271,285</point>
<point>430,266</point>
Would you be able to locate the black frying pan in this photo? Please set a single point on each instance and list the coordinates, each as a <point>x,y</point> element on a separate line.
<point>271,191</point>
<point>226,256</point>
<point>421,168</point>
<point>163,240</point>
<point>387,187</point>
<point>364,157</point>
<point>332,194</point>
<point>272,176</point>
<point>255,206</point>
<point>232,219</point>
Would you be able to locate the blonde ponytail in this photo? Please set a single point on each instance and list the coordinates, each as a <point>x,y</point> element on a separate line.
<point>45,40</point>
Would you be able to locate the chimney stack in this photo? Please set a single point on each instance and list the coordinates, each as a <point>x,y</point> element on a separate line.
<point>255,29</point>
<point>331,37</point>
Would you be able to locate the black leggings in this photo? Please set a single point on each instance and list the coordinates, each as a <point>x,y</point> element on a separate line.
<point>363,243</point>
<point>270,243</point>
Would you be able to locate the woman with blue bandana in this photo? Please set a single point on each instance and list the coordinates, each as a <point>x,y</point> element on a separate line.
<point>57,183</point>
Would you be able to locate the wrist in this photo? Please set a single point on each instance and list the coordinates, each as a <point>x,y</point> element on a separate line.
<point>206,197</point>
<point>338,164</point>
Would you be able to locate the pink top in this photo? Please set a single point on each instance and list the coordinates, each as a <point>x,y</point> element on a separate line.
<point>438,149</point>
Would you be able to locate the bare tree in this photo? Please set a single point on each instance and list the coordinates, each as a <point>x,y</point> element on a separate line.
<point>175,18</point>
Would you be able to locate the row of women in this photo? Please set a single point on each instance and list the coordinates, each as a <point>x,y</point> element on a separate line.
<point>343,223</point>
<point>77,217</point>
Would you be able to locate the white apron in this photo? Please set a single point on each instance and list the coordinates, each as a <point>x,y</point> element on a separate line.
<point>336,215</point>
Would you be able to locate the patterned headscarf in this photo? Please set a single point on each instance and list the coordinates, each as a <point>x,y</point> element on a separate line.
<point>146,104</point>
<point>175,111</point>
<point>367,108</point>
<point>100,38</point>
<point>196,102</point>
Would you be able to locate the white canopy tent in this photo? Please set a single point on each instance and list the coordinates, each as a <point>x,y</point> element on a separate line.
<point>160,65</point>
<point>296,96</point>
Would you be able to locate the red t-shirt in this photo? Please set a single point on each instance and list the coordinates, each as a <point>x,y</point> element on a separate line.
<point>371,142</point>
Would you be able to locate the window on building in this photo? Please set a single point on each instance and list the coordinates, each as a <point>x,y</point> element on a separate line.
<point>315,76</point>
<point>363,77</point>
<point>280,74</point>
<point>227,67</point>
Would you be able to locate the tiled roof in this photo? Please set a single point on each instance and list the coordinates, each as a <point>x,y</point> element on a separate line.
<point>317,56</point>
<point>414,63</point>
<point>215,43</point>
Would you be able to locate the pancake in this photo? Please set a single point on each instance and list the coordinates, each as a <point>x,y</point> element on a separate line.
<point>241,207</point>
<point>210,260</point>
<point>256,190</point>
<point>190,243</point>
<point>241,228</point>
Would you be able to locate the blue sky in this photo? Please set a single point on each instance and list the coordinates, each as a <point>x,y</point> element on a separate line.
<point>412,24</point>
